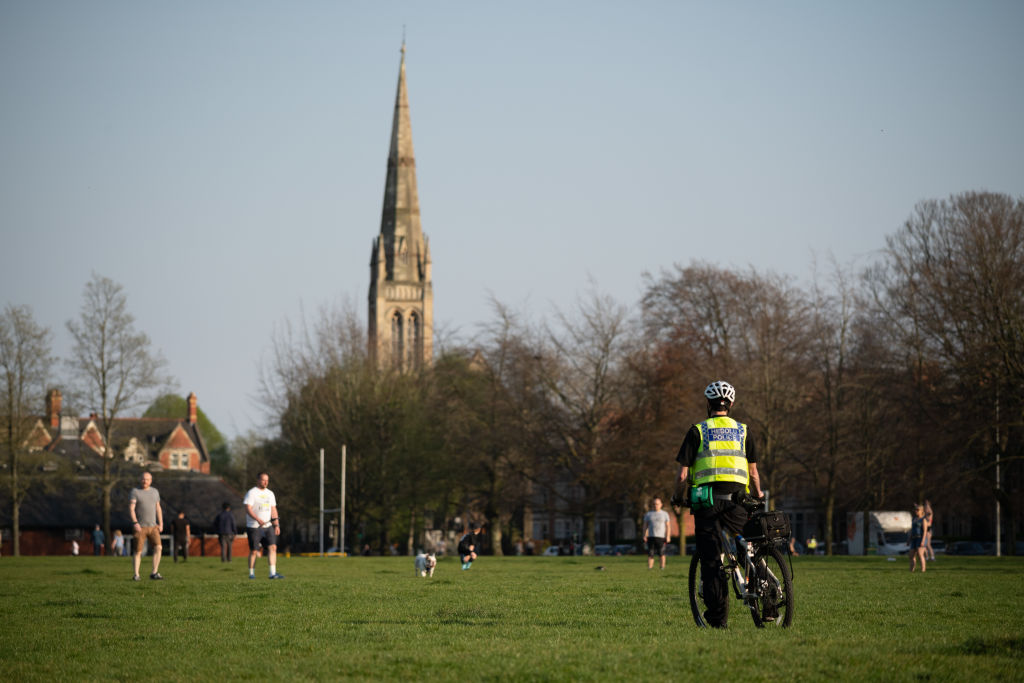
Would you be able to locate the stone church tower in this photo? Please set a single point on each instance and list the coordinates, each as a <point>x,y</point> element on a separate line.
<point>401,297</point>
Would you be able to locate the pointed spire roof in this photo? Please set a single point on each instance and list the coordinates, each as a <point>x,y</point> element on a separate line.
<point>400,220</point>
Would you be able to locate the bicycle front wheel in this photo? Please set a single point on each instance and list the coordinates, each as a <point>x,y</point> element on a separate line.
<point>774,588</point>
<point>696,586</point>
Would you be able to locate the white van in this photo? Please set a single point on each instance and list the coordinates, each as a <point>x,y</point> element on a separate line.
<point>889,533</point>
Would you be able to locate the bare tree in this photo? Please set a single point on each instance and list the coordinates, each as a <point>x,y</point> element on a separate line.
<point>24,361</point>
<point>749,328</point>
<point>582,372</point>
<point>834,315</point>
<point>114,367</point>
<point>322,390</point>
<point>949,288</point>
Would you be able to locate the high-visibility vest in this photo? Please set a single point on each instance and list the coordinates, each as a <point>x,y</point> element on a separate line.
<point>722,455</point>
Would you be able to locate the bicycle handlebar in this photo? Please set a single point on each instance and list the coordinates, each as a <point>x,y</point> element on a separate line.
<point>750,503</point>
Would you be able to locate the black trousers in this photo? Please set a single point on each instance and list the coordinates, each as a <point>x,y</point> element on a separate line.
<point>731,517</point>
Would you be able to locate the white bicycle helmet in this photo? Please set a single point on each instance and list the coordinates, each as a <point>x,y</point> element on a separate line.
<point>720,389</point>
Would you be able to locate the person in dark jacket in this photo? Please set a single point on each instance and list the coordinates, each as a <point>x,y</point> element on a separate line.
<point>226,531</point>
<point>468,545</point>
<point>181,536</point>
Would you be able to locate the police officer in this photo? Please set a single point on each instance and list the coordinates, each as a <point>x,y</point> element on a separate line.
<point>718,457</point>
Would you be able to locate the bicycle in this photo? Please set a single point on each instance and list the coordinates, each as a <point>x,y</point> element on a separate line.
<point>758,573</point>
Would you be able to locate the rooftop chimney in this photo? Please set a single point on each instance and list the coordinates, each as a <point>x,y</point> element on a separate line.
<point>54,402</point>
<point>192,408</point>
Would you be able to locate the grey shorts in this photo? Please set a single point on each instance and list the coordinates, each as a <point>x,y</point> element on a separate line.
<point>256,535</point>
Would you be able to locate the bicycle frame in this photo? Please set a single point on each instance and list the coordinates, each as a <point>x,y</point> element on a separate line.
<point>758,571</point>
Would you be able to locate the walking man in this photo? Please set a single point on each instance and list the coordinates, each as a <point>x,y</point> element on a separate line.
<point>226,531</point>
<point>147,522</point>
<point>718,457</point>
<point>656,533</point>
<point>181,534</point>
<point>262,524</point>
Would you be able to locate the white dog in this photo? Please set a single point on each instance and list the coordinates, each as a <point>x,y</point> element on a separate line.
<point>425,564</point>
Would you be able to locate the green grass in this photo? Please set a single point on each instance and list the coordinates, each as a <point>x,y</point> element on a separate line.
<point>554,618</point>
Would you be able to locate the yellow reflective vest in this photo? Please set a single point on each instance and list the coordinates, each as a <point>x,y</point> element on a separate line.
<point>722,455</point>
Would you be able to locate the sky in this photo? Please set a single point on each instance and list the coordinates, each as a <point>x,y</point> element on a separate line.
<point>224,161</point>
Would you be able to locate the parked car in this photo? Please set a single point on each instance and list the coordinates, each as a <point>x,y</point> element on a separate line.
<point>551,551</point>
<point>966,548</point>
<point>624,549</point>
<point>671,549</point>
<point>939,546</point>
<point>604,549</point>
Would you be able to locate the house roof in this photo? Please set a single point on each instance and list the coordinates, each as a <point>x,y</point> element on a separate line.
<point>153,433</point>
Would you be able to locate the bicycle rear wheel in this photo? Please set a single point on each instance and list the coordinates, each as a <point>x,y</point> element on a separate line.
<point>774,588</point>
<point>696,586</point>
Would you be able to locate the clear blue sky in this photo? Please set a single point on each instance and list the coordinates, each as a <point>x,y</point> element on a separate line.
<point>225,161</point>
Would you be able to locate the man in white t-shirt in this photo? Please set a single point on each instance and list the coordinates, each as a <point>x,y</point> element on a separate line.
<point>262,524</point>
<point>656,533</point>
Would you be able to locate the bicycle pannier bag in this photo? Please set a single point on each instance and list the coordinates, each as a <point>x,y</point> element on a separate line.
<point>775,525</point>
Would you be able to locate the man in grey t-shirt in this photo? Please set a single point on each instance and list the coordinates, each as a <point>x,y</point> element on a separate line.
<point>656,533</point>
<point>147,523</point>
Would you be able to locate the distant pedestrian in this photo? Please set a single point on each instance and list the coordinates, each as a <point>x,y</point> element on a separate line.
<point>226,531</point>
<point>469,544</point>
<point>656,533</point>
<point>262,523</point>
<point>929,517</point>
<point>119,550</point>
<point>918,529</point>
<point>74,548</point>
<point>97,540</point>
<point>147,523</point>
<point>181,535</point>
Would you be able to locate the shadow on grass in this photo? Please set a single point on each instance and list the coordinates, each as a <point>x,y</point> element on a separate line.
<point>998,647</point>
<point>467,616</point>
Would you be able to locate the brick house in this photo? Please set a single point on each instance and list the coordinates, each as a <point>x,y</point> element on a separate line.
<point>152,442</point>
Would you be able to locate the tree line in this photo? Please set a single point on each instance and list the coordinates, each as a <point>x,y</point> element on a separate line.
<point>870,388</point>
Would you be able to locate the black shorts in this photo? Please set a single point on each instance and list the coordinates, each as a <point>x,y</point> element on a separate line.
<point>256,535</point>
<point>655,546</point>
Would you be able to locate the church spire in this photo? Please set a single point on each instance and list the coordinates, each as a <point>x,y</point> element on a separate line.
<point>401,293</point>
<point>400,220</point>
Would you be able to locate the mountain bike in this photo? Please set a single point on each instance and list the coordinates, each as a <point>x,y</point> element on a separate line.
<point>757,569</point>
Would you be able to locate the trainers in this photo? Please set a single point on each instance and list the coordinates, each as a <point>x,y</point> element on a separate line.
<point>276,576</point>
<point>156,576</point>
<point>252,576</point>
<point>136,578</point>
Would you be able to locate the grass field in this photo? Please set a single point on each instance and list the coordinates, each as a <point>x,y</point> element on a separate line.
<point>532,618</point>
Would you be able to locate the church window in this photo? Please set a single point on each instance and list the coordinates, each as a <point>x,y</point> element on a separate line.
<point>415,349</point>
<point>397,340</point>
